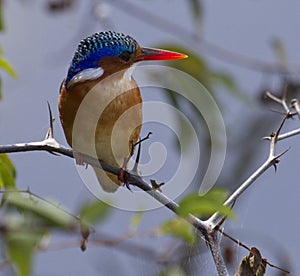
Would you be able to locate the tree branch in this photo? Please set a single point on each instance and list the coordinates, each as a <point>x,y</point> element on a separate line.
<point>272,160</point>
<point>209,228</point>
<point>50,145</point>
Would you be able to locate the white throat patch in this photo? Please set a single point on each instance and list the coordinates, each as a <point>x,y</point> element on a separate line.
<point>87,74</point>
<point>129,71</point>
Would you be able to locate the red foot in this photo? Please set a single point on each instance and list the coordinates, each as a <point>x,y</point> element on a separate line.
<point>121,175</point>
<point>79,159</point>
<point>122,178</point>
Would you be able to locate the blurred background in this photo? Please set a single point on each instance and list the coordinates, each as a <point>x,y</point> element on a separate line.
<point>237,49</point>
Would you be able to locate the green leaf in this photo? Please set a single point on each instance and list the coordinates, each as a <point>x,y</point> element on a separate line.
<point>205,205</point>
<point>172,271</point>
<point>7,172</point>
<point>49,214</point>
<point>136,219</point>
<point>21,248</point>
<point>93,212</point>
<point>179,228</point>
<point>5,65</point>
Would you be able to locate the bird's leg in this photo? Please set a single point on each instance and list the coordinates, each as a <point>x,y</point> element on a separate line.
<point>121,175</point>
<point>79,159</point>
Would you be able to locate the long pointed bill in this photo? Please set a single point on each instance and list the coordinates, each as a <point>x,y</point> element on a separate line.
<point>158,54</point>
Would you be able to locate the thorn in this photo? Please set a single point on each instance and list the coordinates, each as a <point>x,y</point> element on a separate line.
<point>278,111</point>
<point>218,226</point>
<point>280,154</point>
<point>139,143</point>
<point>50,133</point>
<point>276,159</point>
<point>127,186</point>
<point>144,139</point>
<point>155,185</point>
<point>137,160</point>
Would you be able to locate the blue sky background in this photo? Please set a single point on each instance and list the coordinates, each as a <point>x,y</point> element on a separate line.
<point>40,45</point>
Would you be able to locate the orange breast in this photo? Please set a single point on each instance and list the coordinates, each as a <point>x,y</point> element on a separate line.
<point>102,117</point>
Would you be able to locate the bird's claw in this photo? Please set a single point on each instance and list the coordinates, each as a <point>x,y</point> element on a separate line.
<point>79,159</point>
<point>122,178</point>
<point>121,175</point>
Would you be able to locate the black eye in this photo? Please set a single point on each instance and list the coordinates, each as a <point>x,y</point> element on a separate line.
<point>126,56</point>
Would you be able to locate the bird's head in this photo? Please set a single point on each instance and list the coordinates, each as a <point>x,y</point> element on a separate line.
<point>110,52</point>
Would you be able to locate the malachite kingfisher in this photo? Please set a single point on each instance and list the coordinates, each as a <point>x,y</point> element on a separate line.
<point>103,64</point>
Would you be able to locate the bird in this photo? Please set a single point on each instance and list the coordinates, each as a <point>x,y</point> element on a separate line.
<point>100,85</point>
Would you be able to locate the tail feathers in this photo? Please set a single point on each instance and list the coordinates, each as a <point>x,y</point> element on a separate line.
<point>107,180</point>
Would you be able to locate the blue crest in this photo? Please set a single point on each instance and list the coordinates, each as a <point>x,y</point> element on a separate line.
<point>104,44</point>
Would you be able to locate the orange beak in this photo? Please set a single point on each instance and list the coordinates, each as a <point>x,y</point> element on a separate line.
<point>158,54</point>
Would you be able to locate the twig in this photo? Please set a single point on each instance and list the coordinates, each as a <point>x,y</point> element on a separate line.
<point>214,245</point>
<point>208,229</point>
<point>295,105</point>
<point>286,135</point>
<point>30,193</point>
<point>272,160</point>
<point>238,242</point>
<point>281,101</point>
<point>50,145</point>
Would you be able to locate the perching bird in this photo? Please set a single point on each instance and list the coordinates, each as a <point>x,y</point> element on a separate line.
<point>100,104</point>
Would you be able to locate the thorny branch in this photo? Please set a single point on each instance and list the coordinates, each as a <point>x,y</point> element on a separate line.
<point>273,158</point>
<point>209,228</point>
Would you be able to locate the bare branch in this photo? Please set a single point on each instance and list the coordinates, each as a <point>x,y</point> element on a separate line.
<point>295,105</point>
<point>50,145</point>
<point>281,101</point>
<point>272,160</point>
<point>238,242</point>
<point>288,134</point>
<point>214,245</point>
<point>209,228</point>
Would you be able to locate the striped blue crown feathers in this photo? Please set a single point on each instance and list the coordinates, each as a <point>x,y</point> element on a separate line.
<point>99,45</point>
